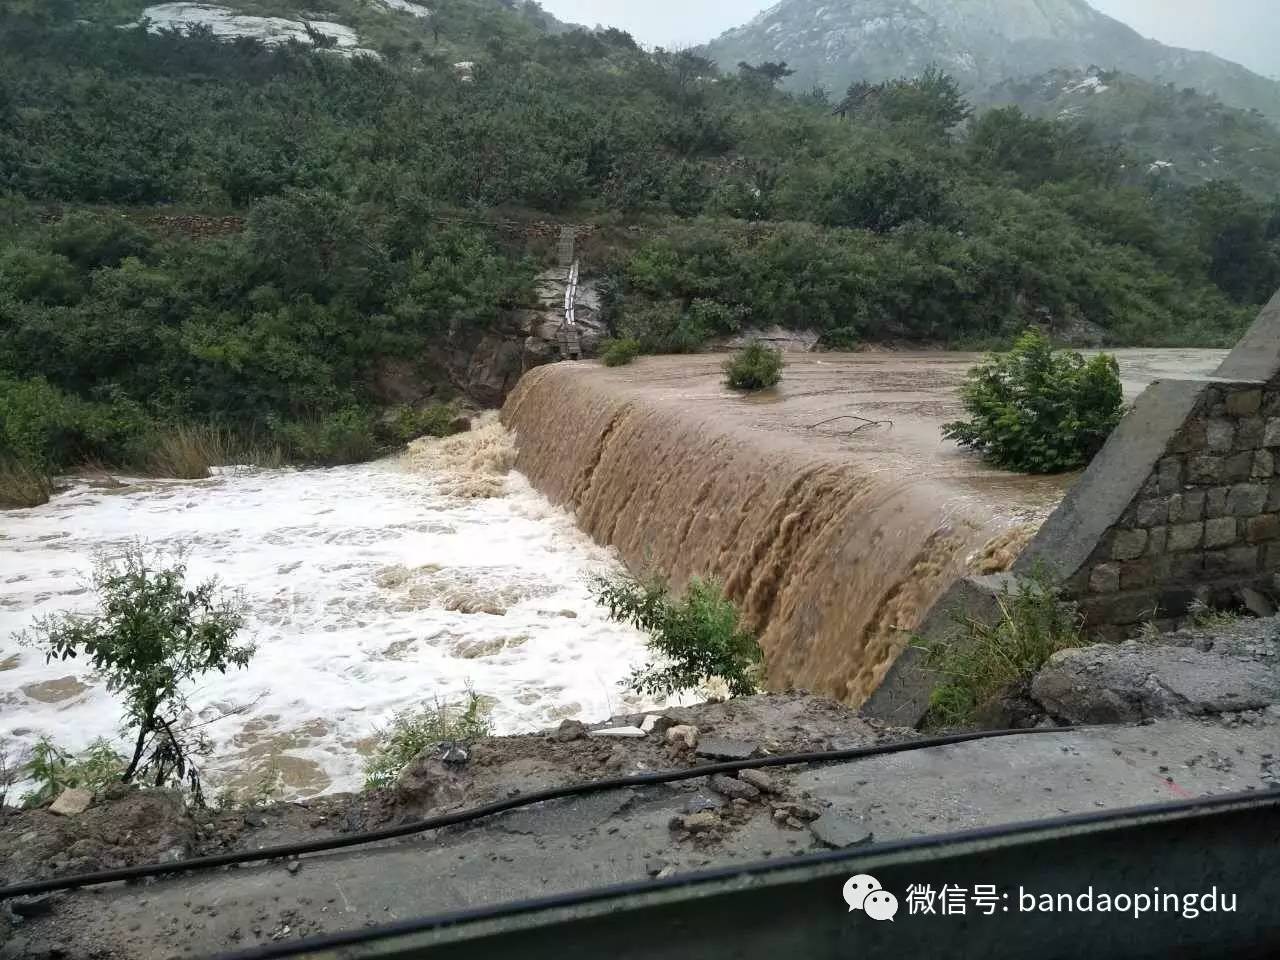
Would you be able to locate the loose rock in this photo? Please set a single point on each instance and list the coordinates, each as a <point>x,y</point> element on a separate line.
<point>733,788</point>
<point>683,737</point>
<point>616,732</point>
<point>1134,681</point>
<point>72,802</point>
<point>570,730</point>
<point>700,822</point>
<point>759,779</point>
<point>839,830</point>
<point>702,803</point>
<point>720,748</point>
<point>32,906</point>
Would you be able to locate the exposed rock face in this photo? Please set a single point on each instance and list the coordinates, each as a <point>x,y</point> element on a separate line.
<point>788,341</point>
<point>980,42</point>
<point>487,369</point>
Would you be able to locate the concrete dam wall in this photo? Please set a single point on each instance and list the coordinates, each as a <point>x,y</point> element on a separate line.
<point>836,537</point>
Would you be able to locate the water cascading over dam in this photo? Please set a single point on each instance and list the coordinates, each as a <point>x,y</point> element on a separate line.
<point>835,538</point>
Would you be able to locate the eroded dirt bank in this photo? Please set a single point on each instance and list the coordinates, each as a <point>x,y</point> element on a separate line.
<point>835,537</point>
<point>1197,740</point>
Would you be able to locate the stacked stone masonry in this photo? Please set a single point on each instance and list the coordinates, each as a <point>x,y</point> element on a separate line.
<point>1205,524</point>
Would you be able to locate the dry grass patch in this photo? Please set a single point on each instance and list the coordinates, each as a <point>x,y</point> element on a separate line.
<point>22,485</point>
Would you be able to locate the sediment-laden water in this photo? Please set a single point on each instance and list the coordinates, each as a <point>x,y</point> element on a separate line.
<point>835,535</point>
<point>370,589</point>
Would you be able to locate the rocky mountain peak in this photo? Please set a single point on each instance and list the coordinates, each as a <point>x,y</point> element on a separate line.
<point>981,42</point>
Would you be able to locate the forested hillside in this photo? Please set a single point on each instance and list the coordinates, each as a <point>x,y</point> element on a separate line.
<point>1176,133</point>
<point>721,203</point>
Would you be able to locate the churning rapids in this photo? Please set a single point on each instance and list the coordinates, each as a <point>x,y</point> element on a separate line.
<point>370,588</point>
<point>385,586</point>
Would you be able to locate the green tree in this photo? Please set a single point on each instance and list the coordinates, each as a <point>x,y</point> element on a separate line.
<point>1234,232</point>
<point>150,638</point>
<point>932,102</point>
<point>767,74</point>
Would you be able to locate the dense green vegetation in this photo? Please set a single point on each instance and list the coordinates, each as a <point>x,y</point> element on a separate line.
<point>754,207</point>
<point>1171,133</point>
<point>111,337</point>
<point>1039,410</point>
<point>696,638</point>
<point>754,367</point>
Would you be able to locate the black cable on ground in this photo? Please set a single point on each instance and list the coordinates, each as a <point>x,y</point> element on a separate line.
<point>326,944</point>
<point>145,871</point>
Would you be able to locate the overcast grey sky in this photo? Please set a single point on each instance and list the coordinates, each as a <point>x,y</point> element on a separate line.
<point>1243,30</point>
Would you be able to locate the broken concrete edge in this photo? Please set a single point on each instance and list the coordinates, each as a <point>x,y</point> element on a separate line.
<point>1257,355</point>
<point>903,697</point>
<point>1112,481</point>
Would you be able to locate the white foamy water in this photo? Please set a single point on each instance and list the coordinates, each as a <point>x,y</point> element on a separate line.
<point>370,588</point>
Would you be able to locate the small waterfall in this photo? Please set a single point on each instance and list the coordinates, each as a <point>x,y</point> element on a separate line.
<point>835,547</point>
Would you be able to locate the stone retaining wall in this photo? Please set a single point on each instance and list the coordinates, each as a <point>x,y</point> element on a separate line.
<point>1204,525</point>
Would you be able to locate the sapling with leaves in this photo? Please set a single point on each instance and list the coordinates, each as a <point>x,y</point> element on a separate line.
<point>150,637</point>
<point>696,638</point>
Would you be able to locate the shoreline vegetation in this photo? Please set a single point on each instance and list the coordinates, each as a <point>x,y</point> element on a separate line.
<point>381,224</point>
<point>191,451</point>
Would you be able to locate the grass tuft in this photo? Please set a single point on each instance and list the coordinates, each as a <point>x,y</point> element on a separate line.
<point>981,661</point>
<point>413,731</point>
<point>191,451</point>
<point>188,452</point>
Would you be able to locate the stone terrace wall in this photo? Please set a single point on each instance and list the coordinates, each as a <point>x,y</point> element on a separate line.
<point>1205,523</point>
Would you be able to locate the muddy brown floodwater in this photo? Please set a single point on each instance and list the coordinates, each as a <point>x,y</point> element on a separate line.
<point>834,535</point>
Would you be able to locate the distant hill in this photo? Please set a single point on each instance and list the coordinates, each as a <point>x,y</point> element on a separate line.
<point>1174,133</point>
<point>980,42</point>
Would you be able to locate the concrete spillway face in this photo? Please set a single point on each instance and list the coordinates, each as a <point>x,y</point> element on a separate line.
<point>1181,505</point>
<point>832,546</point>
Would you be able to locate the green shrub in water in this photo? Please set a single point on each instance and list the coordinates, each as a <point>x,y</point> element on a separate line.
<point>1039,410</point>
<point>754,367</point>
<point>618,353</point>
